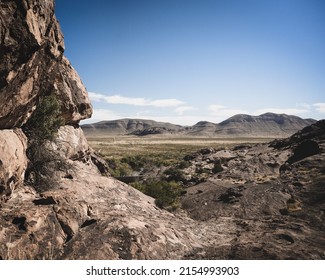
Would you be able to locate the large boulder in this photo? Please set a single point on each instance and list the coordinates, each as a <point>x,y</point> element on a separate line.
<point>32,64</point>
<point>71,143</point>
<point>305,149</point>
<point>13,161</point>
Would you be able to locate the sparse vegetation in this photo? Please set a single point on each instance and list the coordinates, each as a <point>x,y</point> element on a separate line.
<point>167,194</point>
<point>217,167</point>
<point>45,120</point>
<point>174,174</point>
<point>184,164</point>
<point>40,129</point>
<point>43,167</point>
<point>158,164</point>
<point>117,168</point>
<point>202,170</point>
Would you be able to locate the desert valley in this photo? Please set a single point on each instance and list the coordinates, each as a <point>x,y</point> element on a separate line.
<point>249,187</point>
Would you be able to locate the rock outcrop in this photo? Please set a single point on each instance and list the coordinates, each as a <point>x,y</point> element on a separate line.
<point>267,201</point>
<point>32,64</point>
<point>13,161</point>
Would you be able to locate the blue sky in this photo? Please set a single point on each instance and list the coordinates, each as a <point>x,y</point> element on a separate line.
<point>184,61</point>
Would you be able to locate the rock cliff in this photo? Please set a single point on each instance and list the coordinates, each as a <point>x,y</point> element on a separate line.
<point>32,64</point>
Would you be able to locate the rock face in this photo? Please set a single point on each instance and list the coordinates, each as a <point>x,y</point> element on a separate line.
<point>90,217</point>
<point>13,161</point>
<point>71,143</point>
<point>32,64</point>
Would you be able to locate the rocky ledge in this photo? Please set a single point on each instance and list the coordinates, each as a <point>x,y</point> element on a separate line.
<point>32,64</point>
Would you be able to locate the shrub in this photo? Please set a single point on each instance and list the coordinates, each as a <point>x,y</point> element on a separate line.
<point>217,167</point>
<point>118,168</point>
<point>41,128</point>
<point>45,120</point>
<point>184,164</point>
<point>202,170</point>
<point>167,194</point>
<point>44,165</point>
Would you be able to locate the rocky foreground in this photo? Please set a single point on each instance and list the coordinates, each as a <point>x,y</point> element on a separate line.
<point>268,202</point>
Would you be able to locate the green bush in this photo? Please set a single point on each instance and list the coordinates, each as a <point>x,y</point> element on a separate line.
<point>201,170</point>
<point>184,164</point>
<point>41,127</point>
<point>118,168</point>
<point>45,120</point>
<point>174,174</point>
<point>167,194</point>
<point>217,167</point>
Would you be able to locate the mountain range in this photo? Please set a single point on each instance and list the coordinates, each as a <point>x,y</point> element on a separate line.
<point>266,125</point>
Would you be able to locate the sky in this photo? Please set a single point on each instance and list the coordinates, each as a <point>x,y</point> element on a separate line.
<point>184,61</point>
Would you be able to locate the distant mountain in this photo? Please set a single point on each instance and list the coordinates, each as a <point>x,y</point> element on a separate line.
<point>265,125</point>
<point>131,126</point>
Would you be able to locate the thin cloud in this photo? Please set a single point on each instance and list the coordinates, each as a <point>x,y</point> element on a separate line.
<point>182,109</point>
<point>320,107</point>
<point>103,115</point>
<point>106,115</point>
<point>118,99</point>
<point>223,111</point>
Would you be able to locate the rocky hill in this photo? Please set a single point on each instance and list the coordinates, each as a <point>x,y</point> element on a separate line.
<point>268,125</point>
<point>130,126</point>
<point>57,202</point>
<point>277,125</point>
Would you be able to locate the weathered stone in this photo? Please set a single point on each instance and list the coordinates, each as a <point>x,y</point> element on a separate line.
<point>13,161</point>
<point>71,143</point>
<point>305,149</point>
<point>91,217</point>
<point>32,64</point>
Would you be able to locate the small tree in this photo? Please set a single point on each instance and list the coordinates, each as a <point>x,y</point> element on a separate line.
<point>42,127</point>
<point>166,194</point>
<point>46,119</point>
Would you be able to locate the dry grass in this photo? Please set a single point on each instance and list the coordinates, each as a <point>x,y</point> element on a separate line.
<point>121,146</point>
